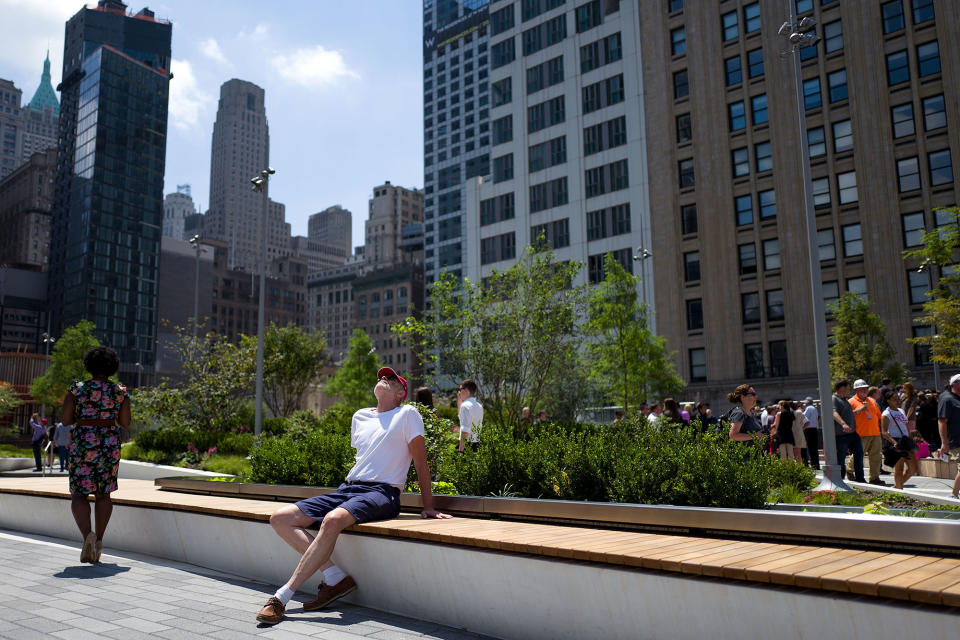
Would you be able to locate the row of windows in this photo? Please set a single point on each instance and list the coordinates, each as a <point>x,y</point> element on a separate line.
<point>893,17</point>
<point>730,22</point>
<point>934,116</point>
<point>940,170</point>
<point>734,68</point>
<point>737,113</point>
<point>927,61</point>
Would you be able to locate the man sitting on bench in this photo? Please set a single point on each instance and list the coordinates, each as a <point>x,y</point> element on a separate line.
<point>386,438</point>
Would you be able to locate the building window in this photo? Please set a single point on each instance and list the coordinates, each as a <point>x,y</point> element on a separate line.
<point>691,266</point>
<point>892,13</point>
<point>686,174</point>
<point>908,174</point>
<point>803,6</point>
<point>852,240</point>
<point>753,358</point>
<point>681,87</point>
<point>503,168</point>
<point>684,132</point>
<point>902,118</point>
<point>825,246</point>
<point>837,85</point>
<point>501,91</point>
<point>858,287</point>
<point>771,254</point>
<point>898,68</point>
<point>588,16</point>
<point>688,219</point>
<point>502,20</point>
<point>674,5</point>
<point>737,116</point>
<point>763,156</point>
<point>743,206</point>
<point>778,359</point>
<point>831,293</point>
<point>758,106</point>
<point>755,63</point>
<point>775,305</point>
<point>503,130</point>
<point>821,193</point>
<point>730,24</point>
<point>922,11</point>
<point>694,314</point>
<point>748,258</point>
<point>919,284</point>
<point>678,41</point>
<point>842,136</point>
<point>734,73</point>
<point>751,18</point>
<point>913,229</point>
<point>502,53</point>
<point>847,187</point>
<point>816,141</point>
<point>921,352</point>
<point>741,162</point>
<point>811,93</point>
<point>934,114</point>
<point>750,306</point>
<point>832,37</point>
<point>768,204</point>
<point>941,167</point>
<point>698,365</point>
<point>928,59</point>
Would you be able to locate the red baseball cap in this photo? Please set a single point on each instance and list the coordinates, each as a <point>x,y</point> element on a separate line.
<point>387,371</point>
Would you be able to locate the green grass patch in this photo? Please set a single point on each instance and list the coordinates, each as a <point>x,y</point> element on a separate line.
<point>10,451</point>
<point>231,464</point>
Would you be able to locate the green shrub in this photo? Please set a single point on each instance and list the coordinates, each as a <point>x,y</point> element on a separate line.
<point>238,444</point>
<point>335,420</point>
<point>234,465</point>
<point>316,459</point>
<point>440,441</point>
<point>447,413</point>
<point>791,473</point>
<point>131,451</point>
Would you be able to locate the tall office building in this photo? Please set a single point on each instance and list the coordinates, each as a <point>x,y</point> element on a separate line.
<point>391,209</point>
<point>40,117</point>
<point>332,228</point>
<point>456,127</point>
<point>569,157</point>
<point>108,197</point>
<point>178,208</point>
<point>240,150</point>
<point>26,199</point>
<point>10,123</point>
<point>880,96</point>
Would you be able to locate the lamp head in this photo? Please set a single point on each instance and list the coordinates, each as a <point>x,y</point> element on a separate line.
<point>785,29</point>
<point>807,24</point>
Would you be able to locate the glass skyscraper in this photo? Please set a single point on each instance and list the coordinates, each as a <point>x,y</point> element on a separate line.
<point>456,127</point>
<point>108,202</point>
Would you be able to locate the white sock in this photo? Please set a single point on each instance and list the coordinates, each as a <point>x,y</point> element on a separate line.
<point>283,594</point>
<point>333,575</point>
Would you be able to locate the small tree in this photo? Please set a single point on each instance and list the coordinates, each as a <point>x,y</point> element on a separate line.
<point>354,381</point>
<point>9,399</point>
<point>942,309</point>
<point>66,364</point>
<point>626,359</point>
<point>292,360</point>
<point>216,376</point>
<point>860,346</point>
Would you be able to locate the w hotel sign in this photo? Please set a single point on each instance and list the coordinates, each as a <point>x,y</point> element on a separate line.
<point>455,30</point>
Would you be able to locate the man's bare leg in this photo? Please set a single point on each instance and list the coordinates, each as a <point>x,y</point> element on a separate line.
<point>317,555</point>
<point>291,525</point>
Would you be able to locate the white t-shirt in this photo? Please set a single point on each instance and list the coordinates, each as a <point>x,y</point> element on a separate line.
<point>382,443</point>
<point>471,417</point>
<point>812,416</point>
<point>896,422</point>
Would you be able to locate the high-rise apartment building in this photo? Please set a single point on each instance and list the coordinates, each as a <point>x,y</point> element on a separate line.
<point>177,209</point>
<point>332,229</point>
<point>10,124</point>
<point>240,150</point>
<point>456,123</point>
<point>391,209</point>
<point>108,200</point>
<point>26,199</point>
<point>880,96</point>
<point>40,117</point>
<point>568,140</point>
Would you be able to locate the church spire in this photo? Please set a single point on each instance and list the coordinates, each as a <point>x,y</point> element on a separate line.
<point>44,96</point>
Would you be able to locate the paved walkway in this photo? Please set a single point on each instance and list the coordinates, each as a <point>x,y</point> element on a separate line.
<point>935,490</point>
<point>45,592</point>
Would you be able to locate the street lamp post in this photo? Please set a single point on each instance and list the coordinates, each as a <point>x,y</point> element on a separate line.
<point>195,243</point>
<point>139,373</point>
<point>641,257</point>
<point>47,340</point>
<point>259,183</point>
<point>801,34</point>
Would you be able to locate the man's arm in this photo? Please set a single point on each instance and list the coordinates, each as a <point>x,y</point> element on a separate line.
<point>847,428</point>
<point>944,435</point>
<point>418,450</point>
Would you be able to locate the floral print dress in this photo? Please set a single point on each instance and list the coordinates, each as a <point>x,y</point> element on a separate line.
<point>95,450</point>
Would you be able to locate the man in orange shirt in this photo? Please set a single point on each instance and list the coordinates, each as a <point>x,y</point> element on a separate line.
<point>867,414</point>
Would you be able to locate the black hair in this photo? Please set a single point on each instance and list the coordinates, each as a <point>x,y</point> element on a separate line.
<point>425,396</point>
<point>101,361</point>
<point>839,384</point>
<point>470,386</point>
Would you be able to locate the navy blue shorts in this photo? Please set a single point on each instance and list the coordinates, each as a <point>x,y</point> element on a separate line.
<point>365,501</point>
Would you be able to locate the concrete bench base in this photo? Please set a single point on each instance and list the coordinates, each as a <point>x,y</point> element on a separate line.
<point>497,593</point>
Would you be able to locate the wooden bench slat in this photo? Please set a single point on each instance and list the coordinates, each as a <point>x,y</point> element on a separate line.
<point>695,566</point>
<point>787,574</point>
<point>839,580</point>
<point>737,569</point>
<point>761,572</point>
<point>869,583</point>
<point>894,587</point>
<point>676,562</point>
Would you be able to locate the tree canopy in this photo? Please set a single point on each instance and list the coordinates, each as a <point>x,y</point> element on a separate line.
<point>354,381</point>
<point>292,360</point>
<point>65,365</point>
<point>860,346</point>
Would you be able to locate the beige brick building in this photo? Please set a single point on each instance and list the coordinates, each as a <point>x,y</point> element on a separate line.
<point>26,196</point>
<point>730,259</point>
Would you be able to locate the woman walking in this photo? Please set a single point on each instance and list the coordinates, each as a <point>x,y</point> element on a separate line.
<point>894,429</point>
<point>98,408</point>
<point>743,426</point>
<point>783,431</point>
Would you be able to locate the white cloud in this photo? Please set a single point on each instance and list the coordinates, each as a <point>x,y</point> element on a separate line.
<point>260,31</point>
<point>187,100</point>
<point>29,28</point>
<point>311,67</point>
<point>211,48</point>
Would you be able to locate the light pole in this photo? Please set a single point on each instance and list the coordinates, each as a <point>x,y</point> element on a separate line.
<point>641,257</point>
<point>195,243</point>
<point>47,340</point>
<point>139,372</point>
<point>259,183</point>
<point>798,35</point>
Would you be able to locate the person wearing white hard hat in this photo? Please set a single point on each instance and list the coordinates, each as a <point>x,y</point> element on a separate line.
<point>867,415</point>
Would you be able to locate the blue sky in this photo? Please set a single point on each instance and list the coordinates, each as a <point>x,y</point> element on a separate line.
<point>342,80</point>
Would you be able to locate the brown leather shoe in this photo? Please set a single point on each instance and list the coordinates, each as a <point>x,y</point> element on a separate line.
<point>272,612</point>
<point>327,594</point>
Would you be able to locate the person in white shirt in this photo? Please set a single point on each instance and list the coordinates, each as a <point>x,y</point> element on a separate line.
<point>470,413</point>
<point>386,437</point>
<point>811,433</point>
